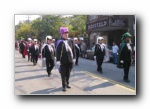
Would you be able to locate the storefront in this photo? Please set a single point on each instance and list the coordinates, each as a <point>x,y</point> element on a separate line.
<point>111,29</point>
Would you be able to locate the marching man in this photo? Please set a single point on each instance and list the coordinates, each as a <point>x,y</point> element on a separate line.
<point>65,57</point>
<point>99,53</point>
<point>29,49</point>
<point>48,53</point>
<point>77,50</point>
<point>35,52</point>
<point>125,55</point>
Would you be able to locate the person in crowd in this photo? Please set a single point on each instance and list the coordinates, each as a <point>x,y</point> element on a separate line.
<point>125,55</point>
<point>29,49</point>
<point>65,52</point>
<point>99,54</point>
<point>115,52</point>
<point>83,48</point>
<point>35,51</point>
<point>23,48</point>
<point>48,54</point>
<point>77,48</point>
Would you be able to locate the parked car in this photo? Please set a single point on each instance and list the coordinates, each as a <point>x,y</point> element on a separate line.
<point>90,54</point>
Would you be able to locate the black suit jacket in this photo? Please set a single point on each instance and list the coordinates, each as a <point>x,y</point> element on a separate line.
<point>98,51</point>
<point>125,54</point>
<point>46,53</point>
<point>34,51</point>
<point>77,51</point>
<point>63,55</point>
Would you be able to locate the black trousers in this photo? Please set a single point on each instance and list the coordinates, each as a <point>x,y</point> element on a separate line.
<point>77,60</point>
<point>65,70</point>
<point>23,56</point>
<point>126,66</point>
<point>49,65</point>
<point>99,63</point>
<point>35,59</point>
<point>29,56</point>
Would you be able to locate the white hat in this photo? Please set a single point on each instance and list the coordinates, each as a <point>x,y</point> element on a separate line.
<point>75,38</point>
<point>35,40</point>
<point>29,39</point>
<point>100,38</point>
<point>48,37</point>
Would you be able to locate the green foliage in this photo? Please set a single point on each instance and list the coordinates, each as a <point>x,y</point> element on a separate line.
<point>50,24</point>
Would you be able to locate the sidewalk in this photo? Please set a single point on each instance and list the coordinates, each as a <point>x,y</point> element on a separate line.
<point>32,80</point>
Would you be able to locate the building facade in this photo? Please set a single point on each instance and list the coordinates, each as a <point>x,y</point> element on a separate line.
<point>111,27</point>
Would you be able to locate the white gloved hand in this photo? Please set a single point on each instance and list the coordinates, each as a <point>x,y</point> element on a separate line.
<point>58,63</point>
<point>54,58</point>
<point>94,57</point>
<point>44,59</point>
<point>121,61</point>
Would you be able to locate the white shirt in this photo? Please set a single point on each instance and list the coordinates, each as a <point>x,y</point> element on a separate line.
<point>36,47</point>
<point>101,46</point>
<point>115,49</point>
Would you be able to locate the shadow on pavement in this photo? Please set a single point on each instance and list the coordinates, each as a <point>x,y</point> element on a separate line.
<point>47,91</point>
<point>23,65</point>
<point>106,84</point>
<point>30,70</point>
<point>32,77</point>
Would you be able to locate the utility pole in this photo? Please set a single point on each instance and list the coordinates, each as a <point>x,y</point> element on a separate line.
<point>28,19</point>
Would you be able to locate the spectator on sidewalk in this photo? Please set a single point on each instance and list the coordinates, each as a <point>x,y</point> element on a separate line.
<point>115,53</point>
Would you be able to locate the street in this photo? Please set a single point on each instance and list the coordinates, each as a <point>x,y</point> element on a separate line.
<point>84,80</point>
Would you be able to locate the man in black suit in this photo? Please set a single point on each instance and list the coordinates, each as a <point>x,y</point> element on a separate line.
<point>65,57</point>
<point>125,55</point>
<point>48,53</point>
<point>77,50</point>
<point>35,52</point>
<point>99,53</point>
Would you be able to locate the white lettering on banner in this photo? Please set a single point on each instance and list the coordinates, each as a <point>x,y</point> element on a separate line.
<point>97,25</point>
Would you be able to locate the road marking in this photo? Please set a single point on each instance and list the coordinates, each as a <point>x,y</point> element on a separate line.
<point>111,81</point>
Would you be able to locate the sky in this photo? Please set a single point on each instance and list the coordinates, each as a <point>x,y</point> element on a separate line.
<point>21,18</point>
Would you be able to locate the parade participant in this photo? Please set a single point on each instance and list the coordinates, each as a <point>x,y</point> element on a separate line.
<point>115,51</point>
<point>29,49</point>
<point>77,50</point>
<point>48,53</point>
<point>125,55</point>
<point>65,57</point>
<point>35,52</point>
<point>99,53</point>
<point>23,47</point>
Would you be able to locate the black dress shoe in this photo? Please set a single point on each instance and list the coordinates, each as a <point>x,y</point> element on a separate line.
<point>127,80</point>
<point>68,87</point>
<point>64,89</point>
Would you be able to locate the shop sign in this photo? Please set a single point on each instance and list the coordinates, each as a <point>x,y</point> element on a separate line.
<point>98,24</point>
